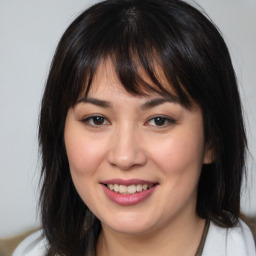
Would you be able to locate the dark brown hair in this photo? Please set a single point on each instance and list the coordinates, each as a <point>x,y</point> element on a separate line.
<point>137,34</point>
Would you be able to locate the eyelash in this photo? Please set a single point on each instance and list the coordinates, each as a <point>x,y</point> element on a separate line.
<point>90,119</point>
<point>103,121</point>
<point>167,121</point>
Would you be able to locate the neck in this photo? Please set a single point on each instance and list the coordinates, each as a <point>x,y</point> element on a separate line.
<point>176,238</point>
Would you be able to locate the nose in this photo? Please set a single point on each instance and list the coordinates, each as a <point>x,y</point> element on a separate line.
<point>126,149</point>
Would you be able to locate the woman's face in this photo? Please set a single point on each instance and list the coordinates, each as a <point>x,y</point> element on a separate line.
<point>135,161</point>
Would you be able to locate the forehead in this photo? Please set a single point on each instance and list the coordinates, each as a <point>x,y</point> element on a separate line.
<point>107,80</point>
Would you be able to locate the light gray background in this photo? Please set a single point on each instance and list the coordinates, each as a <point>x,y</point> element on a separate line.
<point>29,32</point>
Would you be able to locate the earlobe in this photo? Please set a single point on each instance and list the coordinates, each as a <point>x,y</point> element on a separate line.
<point>208,155</point>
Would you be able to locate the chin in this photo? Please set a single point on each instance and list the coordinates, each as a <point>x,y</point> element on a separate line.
<point>131,229</point>
<point>129,224</point>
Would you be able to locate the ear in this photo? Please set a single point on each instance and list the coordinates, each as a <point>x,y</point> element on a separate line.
<point>209,155</point>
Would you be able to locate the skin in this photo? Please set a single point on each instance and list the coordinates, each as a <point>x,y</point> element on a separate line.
<point>127,143</point>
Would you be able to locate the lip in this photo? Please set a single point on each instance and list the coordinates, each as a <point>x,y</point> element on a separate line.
<point>128,199</point>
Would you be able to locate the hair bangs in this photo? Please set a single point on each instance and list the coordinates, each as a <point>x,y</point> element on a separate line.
<point>136,54</point>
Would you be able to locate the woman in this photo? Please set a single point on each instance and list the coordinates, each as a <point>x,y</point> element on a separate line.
<point>142,137</point>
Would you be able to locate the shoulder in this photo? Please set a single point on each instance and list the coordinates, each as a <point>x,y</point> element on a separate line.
<point>34,245</point>
<point>236,241</point>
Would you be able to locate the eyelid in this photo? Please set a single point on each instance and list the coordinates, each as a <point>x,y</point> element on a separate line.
<point>168,119</point>
<point>86,120</point>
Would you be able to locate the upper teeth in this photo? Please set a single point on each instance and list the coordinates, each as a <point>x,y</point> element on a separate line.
<point>122,189</point>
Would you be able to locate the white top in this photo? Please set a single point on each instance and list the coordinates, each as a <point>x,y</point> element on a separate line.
<point>237,241</point>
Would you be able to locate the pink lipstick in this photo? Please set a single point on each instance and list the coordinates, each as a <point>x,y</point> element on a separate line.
<point>128,192</point>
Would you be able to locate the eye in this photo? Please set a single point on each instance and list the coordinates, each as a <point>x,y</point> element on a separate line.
<point>160,121</point>
<point>95,120</point>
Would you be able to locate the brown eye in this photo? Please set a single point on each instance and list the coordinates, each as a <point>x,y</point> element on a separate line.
<point>161,121</point>
<point>95,121</point>
<point>98,120</point>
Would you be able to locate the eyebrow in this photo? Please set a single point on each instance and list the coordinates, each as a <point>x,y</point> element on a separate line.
<point>158,101</point>
<point>148,104</point>
<point>97,102</point>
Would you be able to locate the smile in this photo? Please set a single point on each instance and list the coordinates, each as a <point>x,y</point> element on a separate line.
<point>131,189</point>
<point>128,192</point>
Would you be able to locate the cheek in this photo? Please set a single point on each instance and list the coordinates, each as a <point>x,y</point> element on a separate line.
<point>84,153</point>
<point>181,153</point>
<point>84,156</point>
<point>180,160</point>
